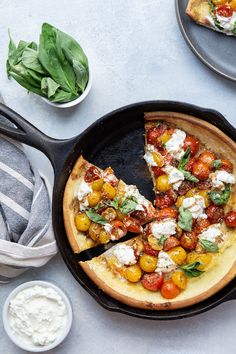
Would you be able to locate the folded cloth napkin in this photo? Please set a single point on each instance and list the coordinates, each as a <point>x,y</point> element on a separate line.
<point>26,235</point>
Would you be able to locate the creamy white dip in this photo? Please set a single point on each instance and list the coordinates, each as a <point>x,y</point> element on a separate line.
<point>37,315</point>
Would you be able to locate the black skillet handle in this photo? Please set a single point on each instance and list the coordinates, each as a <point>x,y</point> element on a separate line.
<point>56,150</point>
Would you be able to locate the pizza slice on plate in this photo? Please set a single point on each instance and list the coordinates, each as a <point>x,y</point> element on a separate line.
<point>219,15</point>
<point>98,207</point>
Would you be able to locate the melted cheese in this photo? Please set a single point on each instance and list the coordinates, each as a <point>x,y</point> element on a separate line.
<point>175,145</point>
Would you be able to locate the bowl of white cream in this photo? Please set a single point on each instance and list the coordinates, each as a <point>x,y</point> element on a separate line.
<point>37,316</point>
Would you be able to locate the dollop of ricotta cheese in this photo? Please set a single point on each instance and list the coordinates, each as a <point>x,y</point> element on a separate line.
<point>38,315</point>
<point>83,189</point>
<point>196,206</point>
<point>175,176</point>
<point>175,144</point>
<point>132,191</point>
<point>164,263</point>
<point>124,254</point>
<point>148,157</point>
<point>218,179</point>
<point>163,228</point>
<point>211,233</point>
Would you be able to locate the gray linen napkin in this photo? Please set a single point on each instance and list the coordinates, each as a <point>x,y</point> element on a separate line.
<point>25,215</point>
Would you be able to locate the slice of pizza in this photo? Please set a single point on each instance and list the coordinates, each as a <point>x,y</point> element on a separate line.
<point>219,15</point>
<point>97,207</point>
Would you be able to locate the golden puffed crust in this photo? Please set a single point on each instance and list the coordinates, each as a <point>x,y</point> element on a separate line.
<point>223,268</point>
<point>199,11</point>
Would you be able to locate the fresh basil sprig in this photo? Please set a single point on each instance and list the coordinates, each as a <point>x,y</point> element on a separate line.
<point>209,246</point>
<point>191,271</point>
<point>95,217</point>
<point>216,164</point>
<point>185,219</point>
<point>112,203</point>
<point>128,205</point>
<point>189,177</point>
<point>162,240</point>
<point>220,198</point>
<point>183,162</point>
<point>56,69</point>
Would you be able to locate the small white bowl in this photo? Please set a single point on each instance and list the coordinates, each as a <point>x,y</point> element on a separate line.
<point>74,102</point>
<point>15,338</point>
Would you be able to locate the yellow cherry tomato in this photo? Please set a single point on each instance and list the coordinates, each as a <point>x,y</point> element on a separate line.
<point>154,243</point>
<point>94,231</point>
<point>158,158</point>
<point>94,198</point>
<point>82,222</point>
<point>164,137</point>
<point>162,183</point>
<point>233,4</point>
<point>97,185</point>
<point>148,263</point>
<point>178,255</point>
<point>109,214</point>
<point>205,195</point>
<point>104,236</point>
<point>179,279</point>
<point>119,215</point>
<point>179,201</point>
<point>133,273</point>
<point>203,258</point>
<point>191,193</point>
<point>109,191</point>
<point>219,2</point>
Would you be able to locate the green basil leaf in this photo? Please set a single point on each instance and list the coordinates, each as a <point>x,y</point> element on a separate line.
<point>185,219</point>
<point>209,246</point>
<point>81,73</point>
<point>191,270</point>
<point>63,96</point>
<point>216,164</point>
<point>25,83</point>
<point>53,60</point>
<point>30,60</point>
<point>49,86</point>
<point>113,203</point>
<point>162,240</point>
<point>184,159</point>
<point>95,217</point>
<point>189,177</point>
<point>128,205</point>
<point>220,198</point>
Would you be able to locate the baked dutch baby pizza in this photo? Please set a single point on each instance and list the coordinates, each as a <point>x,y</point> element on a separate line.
<point>97,207</point>
<point>188,252</point>
<point>219,15</point>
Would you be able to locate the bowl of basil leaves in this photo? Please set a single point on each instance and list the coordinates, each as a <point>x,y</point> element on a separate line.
<point>56,69</point>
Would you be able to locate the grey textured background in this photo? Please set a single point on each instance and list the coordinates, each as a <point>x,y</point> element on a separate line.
<point>136,53</point>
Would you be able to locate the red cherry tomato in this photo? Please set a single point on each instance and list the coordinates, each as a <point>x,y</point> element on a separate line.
<point>230,219</point>
<point>158,171</point>
<point>149,250</point>
<point>201,225</point>
<point>189,240</point>
<point>167,213</point>
<point>227,166</point>
<point>132,225</point>
<point>207,157</point>
<point>119,228</point>
<point>152,281</point>
<point>170,243</point>
<point>92,174</point>
<point>140,215</point>
<point>164,200</point>
<point>224,11</point>
<point>189,165</point>
<point>193,143</point>
<point>201,170</point>
<point>154,132</point>
<point>169,290</point>
<point>214,213</point>
<point>168,158</point>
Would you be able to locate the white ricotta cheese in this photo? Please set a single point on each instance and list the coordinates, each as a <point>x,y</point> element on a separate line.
<point>131,190</point>
<point>211,233</point>
<point>83,189</point>
<point>38,315</point>
<point>166,227</point>
<point>124,254</point>
<point>218,179</point>
<point>196,206</point>
<point>108,228</point>
<point>148,157</point>
<point>227,22</point>
<point>164,263</point>
<point>175,176</point>
<point>175,145</point>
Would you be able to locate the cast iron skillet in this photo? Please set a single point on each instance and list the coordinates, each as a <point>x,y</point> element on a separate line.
<point>117,140</point>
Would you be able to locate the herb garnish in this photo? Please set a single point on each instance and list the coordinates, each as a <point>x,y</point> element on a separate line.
<point>191,270</point>
<point>183,162</point>
<point>209,246</point>
<point>216,164</point>
<point>220,198</point>
<point>185,219</point>
<point>95,217</point>
<point>162,240</point>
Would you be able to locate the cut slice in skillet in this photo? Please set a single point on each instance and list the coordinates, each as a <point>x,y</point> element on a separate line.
<point>98,207</point>
<point>209,268</point>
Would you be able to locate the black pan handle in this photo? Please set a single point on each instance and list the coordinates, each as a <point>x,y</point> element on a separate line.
<point>56,150</point>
